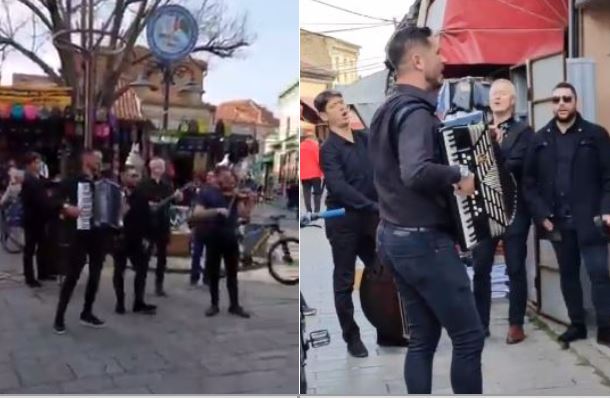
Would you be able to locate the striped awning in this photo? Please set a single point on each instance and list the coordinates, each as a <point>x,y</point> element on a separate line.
<point>127,106</point>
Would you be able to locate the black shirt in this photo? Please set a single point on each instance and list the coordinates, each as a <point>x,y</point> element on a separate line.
<point>412,183</point>
<point>348,172</point>
<point>136,223</point>
<point>35,200</point>
<point>565,147</point>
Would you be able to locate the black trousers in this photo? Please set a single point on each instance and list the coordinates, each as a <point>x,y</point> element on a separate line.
<point>218,248</point>
<point>515,252</point>
<point>134,251</point>
<point>351,236</point>
<point>595,257</point>
<point>312,185</point>
<point>86,245</point>
<point>36,244</point>
<point>159,243</point>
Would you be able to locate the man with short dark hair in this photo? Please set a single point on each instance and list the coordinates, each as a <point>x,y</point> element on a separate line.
<point>131,244</point>
<point>415,234</point>
<point>36,213</point>
<point>86,242</point>
<point>566,184</point>
<point>349,182</point>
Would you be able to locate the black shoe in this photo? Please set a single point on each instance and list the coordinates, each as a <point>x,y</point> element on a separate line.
<point>120,309</point>
<point>603,336</point>
<point>91,321</point>
<point>487,334</point>
<point>308,311</point>
<point>213,310</point>
<point>574,332</point>
<point>34,284</point>
<point>48,278</point>
<point>239,311</point>
<point>392,342</point>
<point>144,308</point>
<point>357,349</point>
<point>160,292</point>
<point>59,328</point>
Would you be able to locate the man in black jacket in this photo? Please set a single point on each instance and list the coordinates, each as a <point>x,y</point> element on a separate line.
<point>349,181</point>
<point>566,184</point>
<point>86,242</point>
<point>513,138</point>
<point>156,189</point>
<point>36,212</point>
<point>131,244</point>
<point>413,236</point>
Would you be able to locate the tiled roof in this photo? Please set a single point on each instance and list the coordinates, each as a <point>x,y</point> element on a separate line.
<point>127,106</point>
<point>246,112</point>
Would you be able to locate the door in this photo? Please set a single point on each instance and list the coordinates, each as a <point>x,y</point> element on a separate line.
<point>542,75</point>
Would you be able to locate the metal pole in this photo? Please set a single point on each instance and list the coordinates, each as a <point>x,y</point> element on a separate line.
<point>166,81</point>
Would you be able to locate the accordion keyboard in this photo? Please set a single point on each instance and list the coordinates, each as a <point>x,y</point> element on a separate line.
<point>482,215</point>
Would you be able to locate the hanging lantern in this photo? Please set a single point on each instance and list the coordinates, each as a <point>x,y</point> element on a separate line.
<point>17,112</point>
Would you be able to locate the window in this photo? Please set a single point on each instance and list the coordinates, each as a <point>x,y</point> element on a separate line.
<point>287,126</point>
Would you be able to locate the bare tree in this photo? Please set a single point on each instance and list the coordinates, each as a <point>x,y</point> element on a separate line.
<point>33,24</point>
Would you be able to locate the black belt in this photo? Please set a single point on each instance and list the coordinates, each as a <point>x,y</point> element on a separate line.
<point>413,229</point>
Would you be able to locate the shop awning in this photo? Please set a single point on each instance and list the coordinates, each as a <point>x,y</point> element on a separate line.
<point>497,32</point>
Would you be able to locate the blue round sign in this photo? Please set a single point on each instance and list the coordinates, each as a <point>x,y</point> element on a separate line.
<point>172,33</point>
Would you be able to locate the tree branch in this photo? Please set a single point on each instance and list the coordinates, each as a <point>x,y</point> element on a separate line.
<point>33,57</point>
<point>38,12</point>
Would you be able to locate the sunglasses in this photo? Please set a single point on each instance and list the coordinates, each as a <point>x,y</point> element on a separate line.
<point>565,98</point>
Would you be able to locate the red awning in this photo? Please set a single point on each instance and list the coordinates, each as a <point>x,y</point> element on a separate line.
<point>498,32</point>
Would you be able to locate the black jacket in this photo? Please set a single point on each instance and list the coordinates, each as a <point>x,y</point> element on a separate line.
<point>156,192</point>
<point>137,220</point>
<point>412,182</point>
<point>513,150</point>
<point>590,177</point>
<point>35,200</point>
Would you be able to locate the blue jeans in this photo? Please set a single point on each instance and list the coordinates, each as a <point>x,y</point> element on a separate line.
<point>197,247</point>
<point>435,288</point>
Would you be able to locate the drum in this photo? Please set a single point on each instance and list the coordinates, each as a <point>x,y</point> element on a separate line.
<point>382,306</point>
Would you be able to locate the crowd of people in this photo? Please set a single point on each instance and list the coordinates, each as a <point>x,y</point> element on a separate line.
<point>396,190</point>
<point>60,213</point>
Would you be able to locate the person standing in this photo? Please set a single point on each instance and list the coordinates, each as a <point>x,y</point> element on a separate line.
<point>349,181</point>
<point>566,184</point>
<point>414,237</point>
<point>513,138</point>
<point>156,189</point>
<point>131,245</point>
<point>310,172</point>
<point>217,213</point>
<point>199,236</point>
<point>86,242</point>
<point>35,218</point>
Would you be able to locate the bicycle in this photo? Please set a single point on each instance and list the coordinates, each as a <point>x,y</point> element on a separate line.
<point>12,235</point>
<point>317,338</point>
<point>282,257</point>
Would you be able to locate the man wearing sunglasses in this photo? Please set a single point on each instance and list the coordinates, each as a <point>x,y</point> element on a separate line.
<point>566,184</point>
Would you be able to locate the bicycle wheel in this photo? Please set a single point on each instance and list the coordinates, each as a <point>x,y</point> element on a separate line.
<point>283,261</point>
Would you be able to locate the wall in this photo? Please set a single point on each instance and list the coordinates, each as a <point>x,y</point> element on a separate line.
<point>596,44</point>
<point>329,53</point>
<point>289,115</point>
<point>344,62</point>
<point>310,87</point>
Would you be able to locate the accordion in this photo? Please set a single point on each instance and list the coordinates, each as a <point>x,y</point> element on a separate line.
<point>490,210</point>
<point>107,204</point>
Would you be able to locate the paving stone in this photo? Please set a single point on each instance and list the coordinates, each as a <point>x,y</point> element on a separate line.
<point>8,380</point>
<point>32,373</point>
<point>88,385</point>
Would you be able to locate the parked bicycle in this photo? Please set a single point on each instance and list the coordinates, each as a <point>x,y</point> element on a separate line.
<point>267,244</point>
<point>317,338</point>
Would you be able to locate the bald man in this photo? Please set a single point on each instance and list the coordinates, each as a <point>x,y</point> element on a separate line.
<point>513,138</point>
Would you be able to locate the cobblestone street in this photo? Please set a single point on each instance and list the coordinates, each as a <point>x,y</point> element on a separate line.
<point>177,351</point>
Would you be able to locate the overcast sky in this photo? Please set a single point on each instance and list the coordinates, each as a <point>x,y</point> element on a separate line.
<point>317,17</point>
<point>261,72</point>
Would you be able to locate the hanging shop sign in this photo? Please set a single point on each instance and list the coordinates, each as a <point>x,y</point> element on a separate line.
<point>59,97</point>
<point>172,33</point>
